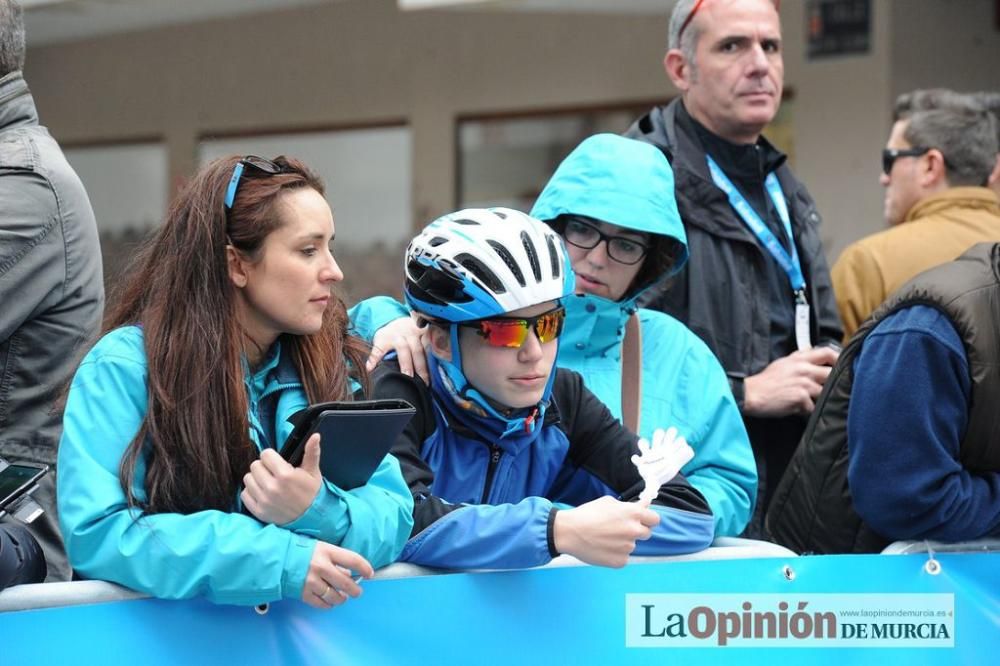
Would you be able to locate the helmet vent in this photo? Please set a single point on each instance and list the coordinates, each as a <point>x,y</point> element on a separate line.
<point>436,241</point>
<point>484,274</point>
<point>466,221</point>
<point>438,287</point>
<point>529,247</point>
<point>509,260</point>
<point>553,257</point>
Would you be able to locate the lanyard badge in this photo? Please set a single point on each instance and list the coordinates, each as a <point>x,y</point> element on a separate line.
<point>789,263</point>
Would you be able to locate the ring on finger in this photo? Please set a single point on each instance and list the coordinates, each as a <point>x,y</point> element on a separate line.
<point>325,592</point>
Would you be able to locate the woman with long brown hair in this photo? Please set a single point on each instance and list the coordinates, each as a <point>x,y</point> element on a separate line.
<point>169,482</point>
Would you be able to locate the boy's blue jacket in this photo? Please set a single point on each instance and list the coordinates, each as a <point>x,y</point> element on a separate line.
<point>629,184</point>
<point>226,557</point>
<point>483,500</point>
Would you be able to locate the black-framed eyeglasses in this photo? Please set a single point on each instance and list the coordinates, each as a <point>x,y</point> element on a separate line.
<point>513,331</point>
<point>587,236</point>
<point>890,155</point>
<point>260,164</point>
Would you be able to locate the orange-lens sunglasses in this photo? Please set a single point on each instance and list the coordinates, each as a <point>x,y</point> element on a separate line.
<point>513,331</point>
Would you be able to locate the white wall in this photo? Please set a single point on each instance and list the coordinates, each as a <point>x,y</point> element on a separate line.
<point>366,173</point>
<point>841,123</point>
<point>127,184</point>
<point>945,43</point>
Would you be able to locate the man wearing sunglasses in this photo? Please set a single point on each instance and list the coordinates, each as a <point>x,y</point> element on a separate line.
<point>756,288</point>
<point>500,437</point>
<point>935,170</point>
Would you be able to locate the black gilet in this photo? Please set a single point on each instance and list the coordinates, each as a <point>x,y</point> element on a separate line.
<point>812,510</point>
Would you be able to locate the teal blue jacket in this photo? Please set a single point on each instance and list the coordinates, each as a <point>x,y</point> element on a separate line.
<point>226,557</point>
<point>630,184</point>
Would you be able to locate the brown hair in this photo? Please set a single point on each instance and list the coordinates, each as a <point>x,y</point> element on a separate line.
<point>195,434</point>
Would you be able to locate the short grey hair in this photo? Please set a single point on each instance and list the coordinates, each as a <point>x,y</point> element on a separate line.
<point>927,99</point>
<point>687,42</point>
<point>966,134</point>
<point>11,37</point>
<point>991,102</point>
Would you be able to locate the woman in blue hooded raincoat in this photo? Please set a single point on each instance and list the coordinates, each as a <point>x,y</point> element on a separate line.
<point>616,196</point>
<point>169,481</point>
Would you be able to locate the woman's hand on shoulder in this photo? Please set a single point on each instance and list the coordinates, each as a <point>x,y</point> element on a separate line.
<point>408,340</point>
<point>276,492</point>
<point>334,574</point>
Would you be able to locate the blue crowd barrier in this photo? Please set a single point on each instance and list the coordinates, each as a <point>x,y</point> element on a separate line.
<point>831,609</point>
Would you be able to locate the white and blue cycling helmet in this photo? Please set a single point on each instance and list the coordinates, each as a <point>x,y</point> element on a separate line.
<point>482,263</point>
<point>485,262</point>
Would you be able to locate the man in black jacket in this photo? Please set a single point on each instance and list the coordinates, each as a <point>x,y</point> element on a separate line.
<point>757,286</point>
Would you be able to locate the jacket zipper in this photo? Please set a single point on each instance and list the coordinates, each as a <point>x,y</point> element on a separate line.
<point>490,472</point>
<point>255,412</point>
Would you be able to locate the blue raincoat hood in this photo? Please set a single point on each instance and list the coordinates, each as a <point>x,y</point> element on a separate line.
<point>623,182</point>
<point>616,180</point>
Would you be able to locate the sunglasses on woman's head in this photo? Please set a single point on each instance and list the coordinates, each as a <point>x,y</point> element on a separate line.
<point>260,164</point>
<point>513,331</point>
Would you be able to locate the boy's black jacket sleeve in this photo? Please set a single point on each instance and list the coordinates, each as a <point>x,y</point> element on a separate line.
<point>389,382</point>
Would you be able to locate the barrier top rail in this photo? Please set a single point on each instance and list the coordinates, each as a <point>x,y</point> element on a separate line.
<point>51,595</point>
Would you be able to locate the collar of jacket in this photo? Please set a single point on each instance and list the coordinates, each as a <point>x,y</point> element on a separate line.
<point>488,429</point>
<point>17,107</point>
<point>286,374</point>
<point>269,395</point>
<point>666,128</point>
<point>745,164</point>
<point>595,326</point>
<point>508,444</point>
<point>981,198</point>
<point>277,372</point>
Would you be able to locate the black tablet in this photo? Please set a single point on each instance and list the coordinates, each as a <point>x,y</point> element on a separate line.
<point>354,437</point>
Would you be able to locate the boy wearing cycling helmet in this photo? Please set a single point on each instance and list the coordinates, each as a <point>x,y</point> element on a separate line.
<point>499,432</point>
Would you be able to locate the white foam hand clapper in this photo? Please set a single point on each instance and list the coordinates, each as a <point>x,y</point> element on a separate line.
<point>660,462</point>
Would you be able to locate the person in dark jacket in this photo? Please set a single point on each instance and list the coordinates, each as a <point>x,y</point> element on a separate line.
<point>500,440</point>
<point>50,258</point>
<point>756,288</point>
<point>903,442</point>
<point>21,559</point>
